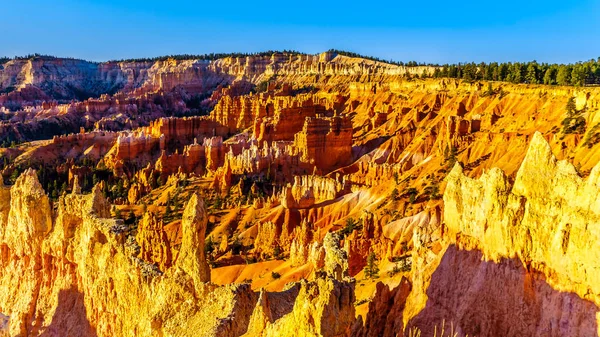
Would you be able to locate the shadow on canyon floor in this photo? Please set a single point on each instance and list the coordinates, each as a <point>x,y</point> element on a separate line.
<point>70,317</point>
<point>482,298</point>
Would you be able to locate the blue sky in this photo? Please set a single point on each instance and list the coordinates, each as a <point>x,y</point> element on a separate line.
<point>427,31</point>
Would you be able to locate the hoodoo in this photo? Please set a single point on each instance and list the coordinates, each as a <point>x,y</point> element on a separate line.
<point>287,194</point>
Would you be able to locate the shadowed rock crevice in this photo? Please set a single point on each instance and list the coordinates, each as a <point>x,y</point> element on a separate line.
<point>282,303</point>
<point>482,298</point>
<point>70,317</point>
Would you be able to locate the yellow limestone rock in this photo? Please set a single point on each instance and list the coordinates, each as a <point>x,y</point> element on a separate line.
<point>324,307</point>
<point>153,241</point>
<point>336,259</point>
<point>29,219</point>
<point>518,260</point>
<point>191,256</point>
<point>549,219</point>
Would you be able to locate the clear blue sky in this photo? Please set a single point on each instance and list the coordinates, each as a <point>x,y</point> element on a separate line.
<point>428,31</point>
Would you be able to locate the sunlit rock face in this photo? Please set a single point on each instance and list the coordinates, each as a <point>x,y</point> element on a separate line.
<point>257,192</point>
<point>516,259</point>
<point>63,274</point>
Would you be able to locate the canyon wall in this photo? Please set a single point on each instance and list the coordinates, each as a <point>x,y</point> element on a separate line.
<point>516,258</point>
<point>80,273</point>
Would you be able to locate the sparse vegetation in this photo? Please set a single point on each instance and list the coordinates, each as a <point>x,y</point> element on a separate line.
<point>574,123</point>
<point>362,301</point>
<point>412,194</point>
<point>403,264</point>
<point>593,136</point>
<point>351,225</point>
<point>371,270</point>
<point>450,156</point>
<point>432,192</point>
<point>394,194</point>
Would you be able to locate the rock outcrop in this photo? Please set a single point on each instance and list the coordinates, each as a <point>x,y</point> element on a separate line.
<point>307,163</point>
<point>4,326</point>
<point>191,255</point>
<point>324,307</point>
<point>326,142</point>
<point>81,274</point>
<point>154,243</point>
<point>521,246</point>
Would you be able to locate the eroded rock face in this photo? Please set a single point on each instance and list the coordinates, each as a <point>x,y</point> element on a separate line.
<point>545,219</point>
<point>326,142</point>
<point>29,218</point>
<point>516,259</point>
<point>324,307</point>
<point>336,259</point>
<point>310,190</point>
<point>4,325</point>
<point>154,242</point>
<point>84,266</point>
<point>384,318</point>
<point>191,255</point>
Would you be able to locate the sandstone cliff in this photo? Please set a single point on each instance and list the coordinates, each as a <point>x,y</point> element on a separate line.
<point>77,272</point>
<point>515,257</point>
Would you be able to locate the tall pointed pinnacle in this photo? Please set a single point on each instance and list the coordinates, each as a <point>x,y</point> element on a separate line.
<point>538,167</point>
<point>30,215</point>
<point>191,256</point>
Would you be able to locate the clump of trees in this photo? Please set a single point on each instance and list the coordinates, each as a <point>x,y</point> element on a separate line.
<point>210,56</point>
<point>377,59</point>
<point>578,74</point>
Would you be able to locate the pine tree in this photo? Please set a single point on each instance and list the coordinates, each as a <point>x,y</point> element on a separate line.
<point>579,75</point>
<point>531,76</point>
<point>394,194</point>
<point>371,270</point>
<point>563,77</point>
<point>571,107</point>
<point>550,76</point>
<point>490,90</point>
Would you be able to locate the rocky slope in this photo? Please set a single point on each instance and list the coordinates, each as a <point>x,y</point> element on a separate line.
<point>73,271</point>
<point>314,195</point>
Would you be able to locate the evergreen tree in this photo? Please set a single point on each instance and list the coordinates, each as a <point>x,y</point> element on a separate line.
<point>117,213</point>
<point>351,225</point>
<point>15,174</point>
<point>489,91</point>
<point>515,75</point>
<point>130,218</point>
<point>394,194</point>
<point>531,75</point>
<point>502,72</point>
<point>571,107</point>
<point>550,76</point>
<point>579,75</point>
<point>209,246</point>
<point>490,71</point>
<point>563,77</point>
<point>371,270</point>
